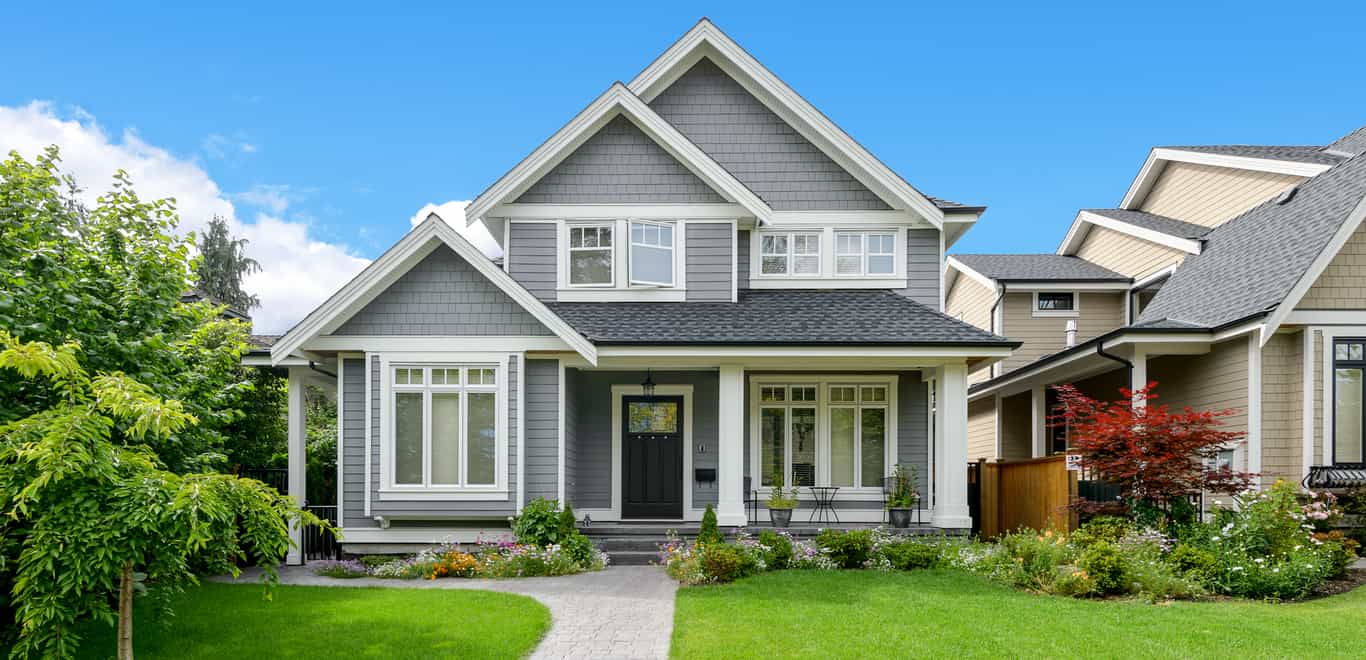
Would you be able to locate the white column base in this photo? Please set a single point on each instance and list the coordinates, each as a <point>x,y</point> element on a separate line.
<point>951,449</point>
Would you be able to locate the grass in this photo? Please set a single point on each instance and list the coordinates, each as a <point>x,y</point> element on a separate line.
<point>233,621</point>
<point>851,614</point>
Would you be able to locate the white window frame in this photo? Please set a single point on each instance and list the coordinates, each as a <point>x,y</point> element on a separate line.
<point>823,405</point>
<point>389,489</point>
<point>791,255</point>
<point>672,248</point>
<point>864,253</point>
<point>1055,313</point>
<point>570,250</point>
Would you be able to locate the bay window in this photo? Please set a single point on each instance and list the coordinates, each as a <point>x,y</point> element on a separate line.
<point>865,253</point>
<point>652,254</point>
<point>790,254</point>
<point>1349,400</point>
<point>445,426</point>
<point>828,434</point>
<point>590,255</point>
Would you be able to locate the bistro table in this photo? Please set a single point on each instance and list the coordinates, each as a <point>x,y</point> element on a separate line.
<point>825,499</point>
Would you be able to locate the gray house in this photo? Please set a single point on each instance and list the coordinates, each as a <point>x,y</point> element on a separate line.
<point>705,283</point>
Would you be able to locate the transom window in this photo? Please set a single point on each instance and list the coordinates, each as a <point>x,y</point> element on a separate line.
<point>445,426</point>
<point>652,254</point>
<point>1349,404</point>
<point>865,253</point>
<point>590,255</point>
<point>838,440</point>
<point>790,254</point>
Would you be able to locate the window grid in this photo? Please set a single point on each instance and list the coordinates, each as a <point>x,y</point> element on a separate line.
<point>648,238</point>
<point>865,253</point>
<point>846,453</point>
<point>590,239</point>
<point>790,254</point>
<point>440,384</point>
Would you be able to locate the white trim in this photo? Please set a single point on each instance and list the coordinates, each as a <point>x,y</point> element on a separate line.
<point>1330,335</point>
<point>507,247</point>
<point>369,407</point>
<point>1073,313</point>
<point>552,212</point>
<point>963,268</point>
<point>438,343</point>
<point>1076,236</point>
<point>799,351</point>
<point>838,219</point>
<point>1038,423</point>
<point>1017,286</point>
<point>564,250</point>
<point>674,250</point>
<point>617,100</point>
<point>1158,158</point>
<point>422,536</point>
<point>521,432</point>
<point>706,39</point>
<point>845,282</point>
<point>617,392</point>
<point>1307,400</point>
<point>828,278</point>
<point>560,471</point>
<point>1316,268</point>
<point>341,439</point>
<point>735,261</point>
<point>1254,404</point>
<point>396,261</point>
<point>1326,317</point>
<point>621,288</point>
<point>297,454</point>
<point>634,294</point>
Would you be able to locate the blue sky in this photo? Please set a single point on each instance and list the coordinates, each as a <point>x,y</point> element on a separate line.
<point>341,121</point>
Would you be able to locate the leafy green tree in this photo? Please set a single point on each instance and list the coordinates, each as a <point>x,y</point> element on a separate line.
<point>223,261</point>
<point>95,520</point>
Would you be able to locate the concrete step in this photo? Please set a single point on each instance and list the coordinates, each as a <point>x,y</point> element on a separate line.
<point>632,558</point>
<point>629,544</point>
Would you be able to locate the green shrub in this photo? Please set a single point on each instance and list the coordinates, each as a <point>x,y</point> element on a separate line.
<point>778,555</point>
<point>1194,561</point>
<point>708,532</point>
<point>910,555</point>
<point>541,523</point>
<point>725,562</point>
<point>1105,565</point>
<point>1072,582</point>
<point>1103,528</point>
<point>1293,575</point>
<point>1340,550</point>
<point>581,550</point>
<point>1031,560</point>
<point>851,549</point>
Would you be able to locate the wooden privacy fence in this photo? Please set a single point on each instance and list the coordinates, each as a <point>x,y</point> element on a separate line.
<point>1033,493</point>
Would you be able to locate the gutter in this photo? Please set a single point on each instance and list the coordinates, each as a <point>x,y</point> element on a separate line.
<point>313,366</point>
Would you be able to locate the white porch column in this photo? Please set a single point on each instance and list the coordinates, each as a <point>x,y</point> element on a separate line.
<point>1138,376</point>
<point>951,449</point>
<point>1038,413</point>
<point>730,447</point>
<point>298,435</point>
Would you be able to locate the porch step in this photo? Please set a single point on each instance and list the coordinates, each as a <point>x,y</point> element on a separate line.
<point>632,558</point>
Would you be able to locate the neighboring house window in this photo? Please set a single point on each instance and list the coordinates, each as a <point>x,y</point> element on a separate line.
<point>1349,406</point>
<point>841,441</point>
<point>1055,303</point>
<point>590,255</point>
<point>445,426</point>
<point>790,254</point>
<point>652,254</point>
<point>865,253</point>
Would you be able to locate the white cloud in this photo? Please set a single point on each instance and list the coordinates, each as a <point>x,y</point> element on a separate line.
<point>218,146</point>
<point>299,271</point>
<point>274,198</point>
<point>454,215</point>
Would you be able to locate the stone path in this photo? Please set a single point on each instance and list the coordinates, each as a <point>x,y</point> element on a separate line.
<point>621,612</point>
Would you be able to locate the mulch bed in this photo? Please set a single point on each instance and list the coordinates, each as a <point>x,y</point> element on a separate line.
<point>1355,577</point>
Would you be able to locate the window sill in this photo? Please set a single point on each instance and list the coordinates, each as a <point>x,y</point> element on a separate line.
<point>1055,314</point>
<point>840,282</point>
<point>633,294</point>
<point>440,494</point>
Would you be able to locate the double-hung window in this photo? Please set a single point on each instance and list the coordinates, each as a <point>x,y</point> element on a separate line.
<point>1349,400</point>
<point>445,426</point>
<point>865,253</point>
<point>590,255</point>
<point>652,253</point>
<point>790,254</point>
<point>858,435</point>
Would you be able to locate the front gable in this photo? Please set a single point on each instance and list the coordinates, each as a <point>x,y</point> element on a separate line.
<point>764,152</point>
<point>1339,286</point>
<point>620,164</point>
<point>443,295</point>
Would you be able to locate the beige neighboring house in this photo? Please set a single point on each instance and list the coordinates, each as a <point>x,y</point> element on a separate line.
<point>1234,276</point>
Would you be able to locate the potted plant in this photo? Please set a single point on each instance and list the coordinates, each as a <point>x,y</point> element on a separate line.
<point>904,497</point>
<point>781,502</point>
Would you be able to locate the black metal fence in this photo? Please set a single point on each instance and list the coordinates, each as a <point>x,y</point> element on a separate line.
<point>320,544</point>
<point>277,478</point>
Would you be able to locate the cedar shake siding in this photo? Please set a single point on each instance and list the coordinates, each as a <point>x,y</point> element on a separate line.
<point>1283,408</point>
<point>1343,283</point>
<point>1124,254</point>
<point>1210,196</point>
<point>620,164</point>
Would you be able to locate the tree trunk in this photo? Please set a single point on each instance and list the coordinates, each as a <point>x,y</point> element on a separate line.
<point>126,612</point>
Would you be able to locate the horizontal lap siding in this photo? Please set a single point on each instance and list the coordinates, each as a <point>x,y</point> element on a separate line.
<point>542,429</point>
<point>1208,195</point>
<point>442,295</point>
<point>1098,313</point>
<point>1017,420</point>
<point>353,444</point>
<point>923,276</point>
<point>571,438</point>
<point>1282,407</point>
<point>1125,254</point>
<point>982,429</point>
<point>742,260</point>
<point>970,301</point>
<point>531,257</point>
<point>710,261</point>
<point>1214,381</point>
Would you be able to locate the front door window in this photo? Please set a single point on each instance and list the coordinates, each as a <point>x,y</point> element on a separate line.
<point>652,455</point>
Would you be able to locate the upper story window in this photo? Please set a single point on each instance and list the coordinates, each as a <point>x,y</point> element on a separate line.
<point>590,255</point>
<point>445,430</point>
<point>865,253</point>
<point>790,254</point>
<point>1349,401</point>
<point>1055,303</point>
<point>652,254</point>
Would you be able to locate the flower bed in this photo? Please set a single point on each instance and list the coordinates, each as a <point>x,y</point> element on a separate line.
<point>710,562</point>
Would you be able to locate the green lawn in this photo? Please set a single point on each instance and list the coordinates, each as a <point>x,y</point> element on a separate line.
<point>951,614</point>
<point>232,621</point>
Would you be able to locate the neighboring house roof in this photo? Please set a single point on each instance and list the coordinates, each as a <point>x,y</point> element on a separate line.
<point>1159,223</point>
<point>777,317</point>
<point>1038,268</point>
<point>1294,153</point>
<point>1250,263</point>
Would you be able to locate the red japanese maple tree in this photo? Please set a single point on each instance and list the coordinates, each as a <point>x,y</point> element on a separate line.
<point>1153,454</point>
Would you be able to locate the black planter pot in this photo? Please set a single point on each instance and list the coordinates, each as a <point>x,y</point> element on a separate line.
<point>780,517</point>
<point>900,518</point>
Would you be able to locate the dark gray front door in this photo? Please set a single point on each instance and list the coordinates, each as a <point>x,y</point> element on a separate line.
<point>652,457</point>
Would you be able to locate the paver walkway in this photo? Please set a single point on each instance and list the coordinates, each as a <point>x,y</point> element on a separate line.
<point>621,612</point>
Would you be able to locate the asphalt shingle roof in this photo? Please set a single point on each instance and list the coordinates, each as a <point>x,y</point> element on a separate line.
<point>1038,267</point>
<point>1250,263</point>
<point>826,316</point>
<point>1294,153</point>
<point>1160,223</point>
<point>948,205</point>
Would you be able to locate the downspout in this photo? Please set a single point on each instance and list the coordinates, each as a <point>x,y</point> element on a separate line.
<point>1100,350</point>
<point>312,366</point>
<point>1000,295</point>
